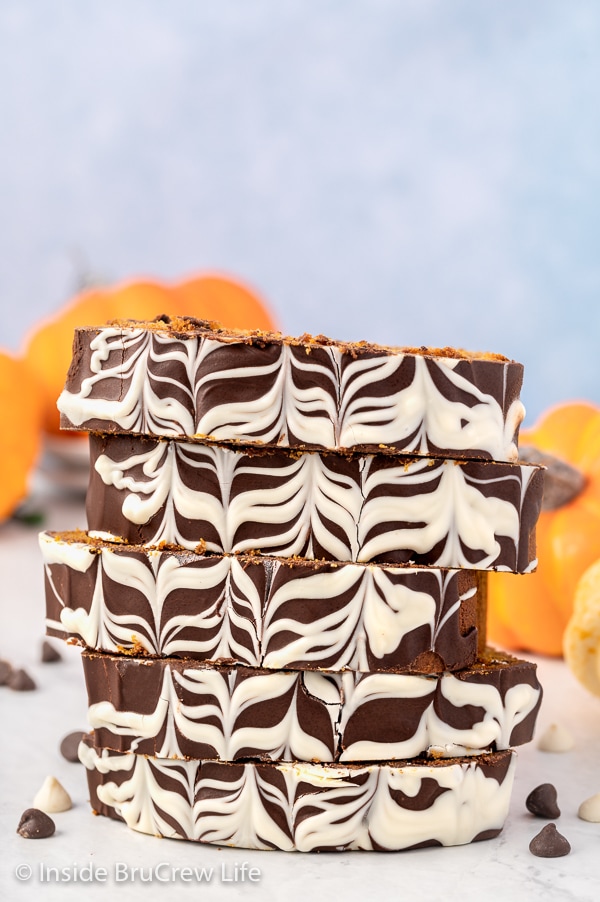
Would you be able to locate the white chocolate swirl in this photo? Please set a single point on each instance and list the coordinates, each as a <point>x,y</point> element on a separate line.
<point>304,807</point>
<point>212,711</point>
<point>175,709</point>
<point>257,611</point>
<point>473,514</point>
<point>323,396</point>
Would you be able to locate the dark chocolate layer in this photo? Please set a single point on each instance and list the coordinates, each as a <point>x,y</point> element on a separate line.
<point>169,708</point>
<point>304,807</point>
<point>192,379</point>
<point>368,508</point>
<point>261,611</point>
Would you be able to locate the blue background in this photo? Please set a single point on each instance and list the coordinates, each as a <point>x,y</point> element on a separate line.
<point>405,171</point>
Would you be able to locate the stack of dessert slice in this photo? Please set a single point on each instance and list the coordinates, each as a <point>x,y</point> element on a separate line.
<point>282,586</point>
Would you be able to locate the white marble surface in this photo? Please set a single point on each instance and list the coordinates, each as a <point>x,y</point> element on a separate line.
<point>35,722</point>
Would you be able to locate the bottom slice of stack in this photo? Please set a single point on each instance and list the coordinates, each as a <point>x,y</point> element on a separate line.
<point>384,806</point>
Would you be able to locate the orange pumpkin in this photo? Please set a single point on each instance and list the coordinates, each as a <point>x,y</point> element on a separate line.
<point>532,611</point>
<point>20,430</point>
<point>48,349</point>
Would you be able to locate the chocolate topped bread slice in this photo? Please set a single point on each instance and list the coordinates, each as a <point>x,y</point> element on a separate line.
<point>302,806</point>
<point>172,708</point>
<point>186,378</point>
<point>321,506</point>
<point>261,611</point>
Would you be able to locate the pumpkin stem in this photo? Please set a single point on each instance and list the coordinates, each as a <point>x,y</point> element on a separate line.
<point>562,481</point>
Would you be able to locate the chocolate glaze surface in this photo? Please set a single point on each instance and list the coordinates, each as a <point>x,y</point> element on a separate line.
<point>192,379</point>
<point>170,708</point>
<point>368,508</point>
<point>304,807</point>
<point>260,611</point>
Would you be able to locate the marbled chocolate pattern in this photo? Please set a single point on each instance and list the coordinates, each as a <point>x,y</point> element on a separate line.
<point>473,514</point>
<point>292,394</point>
<point>304,807</point>
<point>260,611</point>
<point>170,708</point>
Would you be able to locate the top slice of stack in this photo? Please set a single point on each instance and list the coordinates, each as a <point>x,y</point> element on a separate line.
<point>187,378</point>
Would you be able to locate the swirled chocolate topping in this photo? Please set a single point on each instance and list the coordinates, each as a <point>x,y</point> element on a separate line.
<point>187,378</point>
<point>369,508</point>
<point>301,806</point>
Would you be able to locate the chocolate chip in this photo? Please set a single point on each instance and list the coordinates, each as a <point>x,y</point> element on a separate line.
<point>50,654</point>
<point>549,843</point>
<point>35,824</point>
<point>5,672</point>
<point>562,481</point>
<point>20,681</point>
<point>542,801</point>
<point>70,745</point>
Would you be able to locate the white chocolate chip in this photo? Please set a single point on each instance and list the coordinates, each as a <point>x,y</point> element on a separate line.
<point>52,797</point>
<point>556,739</point>
<point>590,809</point>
